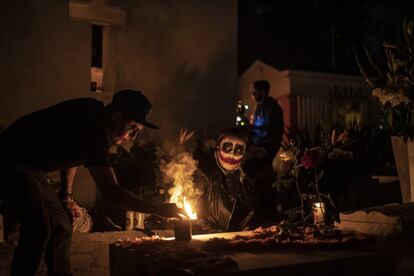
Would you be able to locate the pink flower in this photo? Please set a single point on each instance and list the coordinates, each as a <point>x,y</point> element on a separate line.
<point>311,158</point>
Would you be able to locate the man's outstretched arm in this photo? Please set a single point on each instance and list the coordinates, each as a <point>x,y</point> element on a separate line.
<point>106,181</point>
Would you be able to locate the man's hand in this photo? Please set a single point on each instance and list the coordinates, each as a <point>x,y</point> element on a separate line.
<point>74,209</point>
<point>169,210</point>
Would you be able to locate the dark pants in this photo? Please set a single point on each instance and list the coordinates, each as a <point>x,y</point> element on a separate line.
<point>45,227</point>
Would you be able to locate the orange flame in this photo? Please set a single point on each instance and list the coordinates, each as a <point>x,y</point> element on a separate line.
<point>180,170</point>
<point>189,210</point>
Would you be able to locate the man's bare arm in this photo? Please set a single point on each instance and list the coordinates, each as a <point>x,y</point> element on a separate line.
<point>67,176</point>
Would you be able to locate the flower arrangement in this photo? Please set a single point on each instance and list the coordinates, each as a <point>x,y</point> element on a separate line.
<point>311,158</point>
<point>307,170</point>
<point>392,83</point>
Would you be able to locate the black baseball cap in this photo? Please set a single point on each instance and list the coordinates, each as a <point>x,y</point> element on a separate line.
<point>135,105</point>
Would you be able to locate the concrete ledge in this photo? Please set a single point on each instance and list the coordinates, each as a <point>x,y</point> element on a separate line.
<point>89,253</point>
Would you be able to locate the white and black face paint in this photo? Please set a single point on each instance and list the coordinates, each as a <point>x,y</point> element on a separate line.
<point>231,152</point>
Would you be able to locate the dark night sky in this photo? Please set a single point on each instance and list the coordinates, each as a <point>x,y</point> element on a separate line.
<point>297,34</point>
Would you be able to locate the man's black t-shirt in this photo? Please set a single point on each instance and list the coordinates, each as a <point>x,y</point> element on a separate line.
<point>64,135</point>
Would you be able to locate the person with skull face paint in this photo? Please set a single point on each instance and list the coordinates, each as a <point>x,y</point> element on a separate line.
<point>227,203</point>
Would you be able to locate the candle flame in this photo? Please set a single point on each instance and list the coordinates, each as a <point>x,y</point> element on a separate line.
<point>318,212</point>
<point>319,205</point>
<point>179,172</point>
<point>189,210</point>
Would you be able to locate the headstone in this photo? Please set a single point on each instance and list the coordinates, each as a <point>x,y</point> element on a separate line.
<point>386,220</point>
<point>404,160</point>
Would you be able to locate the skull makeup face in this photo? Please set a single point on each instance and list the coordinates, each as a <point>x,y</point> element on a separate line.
<point>231,152</point>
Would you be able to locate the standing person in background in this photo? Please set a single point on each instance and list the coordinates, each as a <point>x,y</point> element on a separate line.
<point>266,133</point>
<point>266,122</point>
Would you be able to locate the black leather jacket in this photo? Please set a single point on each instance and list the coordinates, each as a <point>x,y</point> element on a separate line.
<point>227,202</point>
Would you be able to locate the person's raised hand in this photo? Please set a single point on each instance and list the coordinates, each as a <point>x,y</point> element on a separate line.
<point>185,135</point>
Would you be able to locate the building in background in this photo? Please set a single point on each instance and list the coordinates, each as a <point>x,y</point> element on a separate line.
<point>309,98</point>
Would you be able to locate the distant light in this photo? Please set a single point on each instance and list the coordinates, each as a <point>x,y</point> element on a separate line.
<point>238,119</point>
<point>242,123</point>
<point>246,106</point>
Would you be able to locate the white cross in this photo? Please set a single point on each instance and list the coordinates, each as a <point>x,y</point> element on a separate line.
<point>97,12</point>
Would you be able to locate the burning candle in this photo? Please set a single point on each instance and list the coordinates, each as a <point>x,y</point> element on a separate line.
<point>318,212</point>
<point>182,230</point>
<point>189,210</point>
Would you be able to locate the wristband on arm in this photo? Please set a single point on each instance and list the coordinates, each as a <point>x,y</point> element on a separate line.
<point>66,197</point>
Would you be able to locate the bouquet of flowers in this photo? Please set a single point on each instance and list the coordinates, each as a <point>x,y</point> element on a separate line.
<point>392,82</point>
<point>307,170</point>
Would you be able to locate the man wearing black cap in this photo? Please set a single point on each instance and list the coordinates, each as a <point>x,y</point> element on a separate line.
<point>63,137</point>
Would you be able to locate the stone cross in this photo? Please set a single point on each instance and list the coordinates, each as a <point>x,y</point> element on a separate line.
<point>97,12</point>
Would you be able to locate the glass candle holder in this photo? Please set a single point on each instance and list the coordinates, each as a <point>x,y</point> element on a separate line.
<point>129,220</point>
<point>139,220</point>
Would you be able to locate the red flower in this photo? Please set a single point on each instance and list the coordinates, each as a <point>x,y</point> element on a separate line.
<point>311,158</point>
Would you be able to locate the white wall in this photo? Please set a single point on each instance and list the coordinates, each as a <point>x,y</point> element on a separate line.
<point>183,55</point>
<point>319,84</point>
<point>44,56</point>
<point>322,95</point>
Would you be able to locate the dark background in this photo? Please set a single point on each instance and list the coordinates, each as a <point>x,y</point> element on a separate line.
<point>304,34</point>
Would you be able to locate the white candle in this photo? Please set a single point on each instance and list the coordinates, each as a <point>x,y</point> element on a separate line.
<point>139,220</point>
<point>318,212</point>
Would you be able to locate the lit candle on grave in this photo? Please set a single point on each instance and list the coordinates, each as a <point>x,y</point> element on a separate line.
<point>189,210</point>
<point>183,227</point>
<point>318,212</point>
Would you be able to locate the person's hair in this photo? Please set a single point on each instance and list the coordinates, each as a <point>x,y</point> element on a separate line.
<point>235,132</point>
<point>262,85</point>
